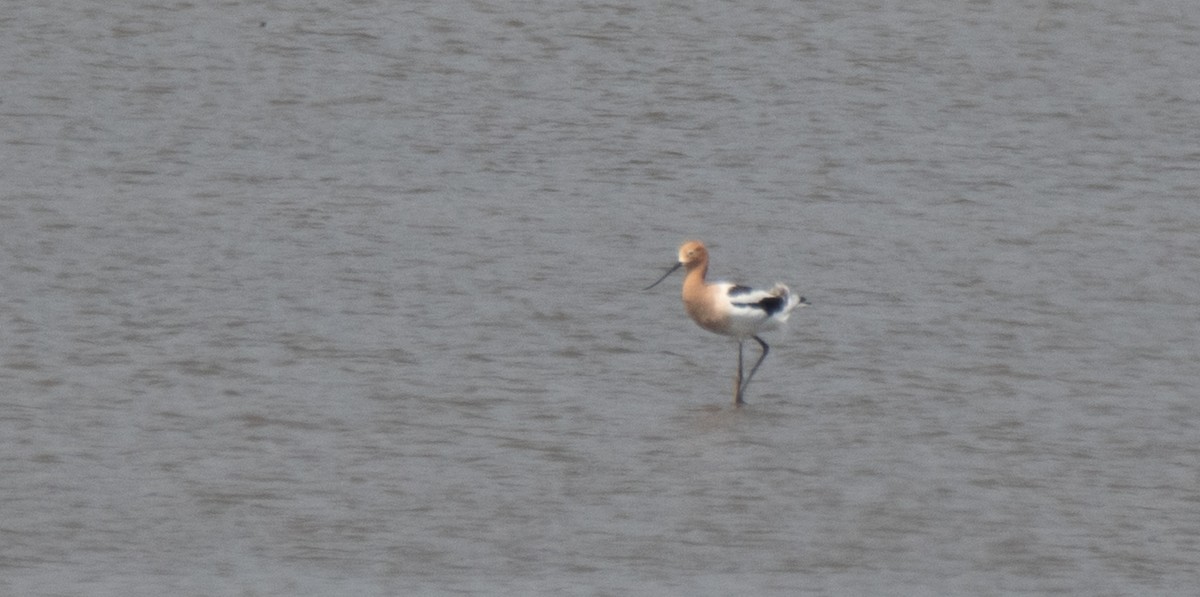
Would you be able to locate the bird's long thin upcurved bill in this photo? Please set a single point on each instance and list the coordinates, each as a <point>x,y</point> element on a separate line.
<point>664,276</point>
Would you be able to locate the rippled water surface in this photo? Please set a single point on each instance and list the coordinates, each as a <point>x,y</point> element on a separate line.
<point>321,298</point>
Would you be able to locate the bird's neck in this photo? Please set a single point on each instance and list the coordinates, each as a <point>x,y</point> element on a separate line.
<point>695,277</point>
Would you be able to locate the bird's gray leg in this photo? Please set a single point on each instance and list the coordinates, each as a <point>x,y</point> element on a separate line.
<point>737,380</point>
<point>766,349</point>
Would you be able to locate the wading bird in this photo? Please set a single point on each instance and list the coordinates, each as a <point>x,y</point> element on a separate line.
<point>729,309</point>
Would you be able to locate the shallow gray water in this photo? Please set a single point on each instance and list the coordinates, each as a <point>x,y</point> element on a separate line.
<point>310,299</point>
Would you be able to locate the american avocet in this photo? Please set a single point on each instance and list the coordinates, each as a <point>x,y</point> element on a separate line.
<point>730,309</point>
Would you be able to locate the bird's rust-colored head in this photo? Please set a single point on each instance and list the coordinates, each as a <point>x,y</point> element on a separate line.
<point>692,254</point>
